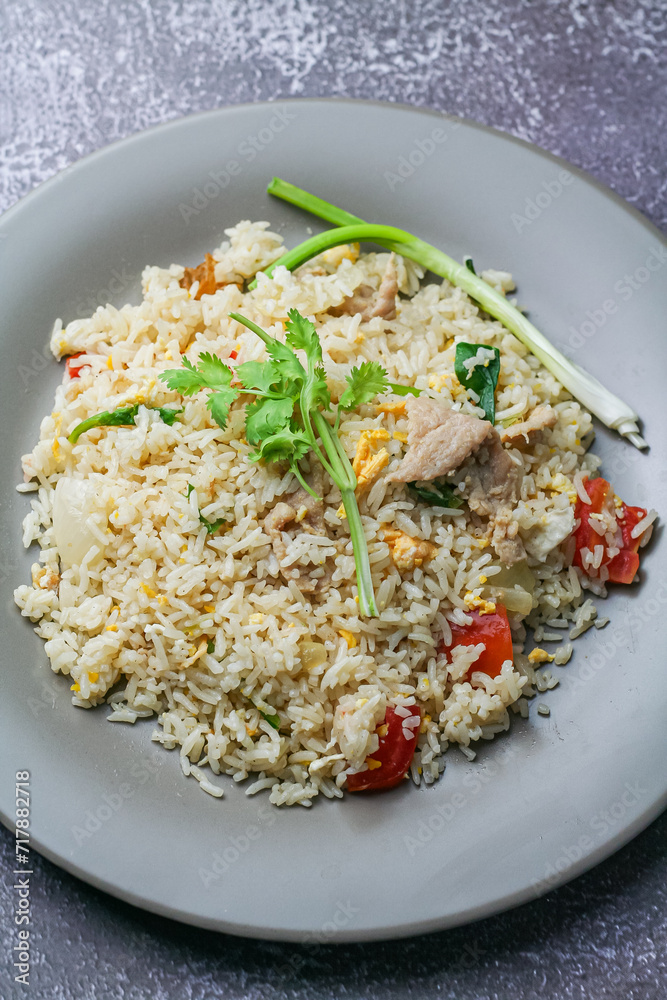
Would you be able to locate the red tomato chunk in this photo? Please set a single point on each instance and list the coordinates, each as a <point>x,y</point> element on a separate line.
<point>391,761</point>
<point>74,369</point>
<point>491,629</point>
<point>622,567</point>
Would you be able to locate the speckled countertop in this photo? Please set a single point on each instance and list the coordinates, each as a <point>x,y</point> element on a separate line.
<point>586,80</point>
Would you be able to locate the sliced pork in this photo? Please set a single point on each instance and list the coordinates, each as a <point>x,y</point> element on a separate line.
<point>368,303</point>
<point>304,511</point>
<point>439,440</point>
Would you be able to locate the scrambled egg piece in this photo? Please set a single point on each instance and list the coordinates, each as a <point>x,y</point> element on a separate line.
<point>438,383</point>
<point>561,484</point>
<point>408,552</point>
<point>398,409</point>
<point>538,655</point>
<point>200,650</point>
<point>336,255</point>
<point>45,577</point>
<point>368,464</point>
<point>350,640</point>
<point>479,604</point>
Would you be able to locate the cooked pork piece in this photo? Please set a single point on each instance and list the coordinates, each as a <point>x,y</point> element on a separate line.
<point>439,440</point>
<point>505,539</point>
<point>366,302</point>
<point>541,417</point>
<point>385,304</point>
<point>307,511</point>
<point>492,483</point>
<point>493,479</point>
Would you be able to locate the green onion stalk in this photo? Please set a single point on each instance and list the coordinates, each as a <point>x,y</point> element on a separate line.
<point>607,407</point>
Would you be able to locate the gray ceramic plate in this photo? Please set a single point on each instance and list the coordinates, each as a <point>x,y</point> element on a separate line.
<point>536,808</point>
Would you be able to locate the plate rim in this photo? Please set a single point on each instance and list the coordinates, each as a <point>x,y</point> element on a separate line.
<point>415,927</point>
<point>173,123</point>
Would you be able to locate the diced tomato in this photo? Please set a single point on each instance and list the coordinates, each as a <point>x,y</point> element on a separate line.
<point>623,566</point>
<point>585,536</point>
<point>391,761</point>
<point>629,518</point>
<point>233,355</point>
<point>74,369</point>
<point>494,631</point>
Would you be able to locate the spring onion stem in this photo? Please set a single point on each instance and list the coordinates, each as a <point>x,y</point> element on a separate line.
<point>611,410</point>
<point>346,480</point>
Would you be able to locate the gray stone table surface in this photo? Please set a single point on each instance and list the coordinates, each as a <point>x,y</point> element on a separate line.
<point>586,80</point>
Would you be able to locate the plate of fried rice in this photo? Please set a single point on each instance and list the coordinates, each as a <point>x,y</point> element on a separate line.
<point>333,607</point>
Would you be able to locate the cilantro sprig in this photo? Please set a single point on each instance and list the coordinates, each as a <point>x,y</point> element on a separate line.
<point>209,373</point>
<point>286,416</point>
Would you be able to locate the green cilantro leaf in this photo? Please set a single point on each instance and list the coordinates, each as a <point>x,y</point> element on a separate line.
<point>215,374</point>
<point>210,372</point>
<point>483,378</point>
<point>403,390</point>
<point>219,403</point>
<point>185,380</point>
<point>286,421</point>
<point>302,336</point>
<point>290,366</point>
<point>363,384</point>
<point>289,444</point>
<point>259,375</point>
<point>266,416</point>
